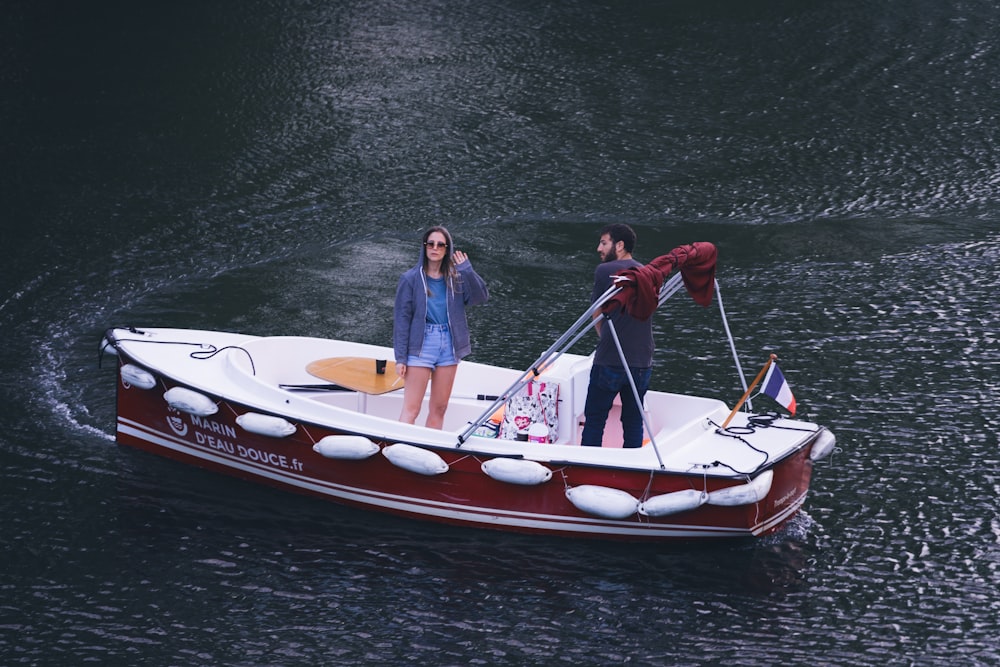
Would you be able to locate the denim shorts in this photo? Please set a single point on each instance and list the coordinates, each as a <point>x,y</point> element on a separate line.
<point>436,350</point>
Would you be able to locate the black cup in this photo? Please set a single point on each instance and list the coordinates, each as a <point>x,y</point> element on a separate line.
<point>380,366</point>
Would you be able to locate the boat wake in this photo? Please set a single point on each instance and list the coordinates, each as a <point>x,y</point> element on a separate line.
<point>67,401</point>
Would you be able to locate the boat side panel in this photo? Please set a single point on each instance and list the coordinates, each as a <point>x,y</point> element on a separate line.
<point>462,495</point>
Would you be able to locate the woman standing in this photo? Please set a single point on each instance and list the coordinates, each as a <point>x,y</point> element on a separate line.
<point>430,332</point>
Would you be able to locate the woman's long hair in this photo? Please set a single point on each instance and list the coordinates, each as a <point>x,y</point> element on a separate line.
<point>447,265</point>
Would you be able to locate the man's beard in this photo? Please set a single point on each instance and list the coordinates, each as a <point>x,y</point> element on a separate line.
<point>610,256</point>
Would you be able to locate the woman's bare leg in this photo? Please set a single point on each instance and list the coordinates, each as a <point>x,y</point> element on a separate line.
<point>442,381</point>
<point>413,393</point>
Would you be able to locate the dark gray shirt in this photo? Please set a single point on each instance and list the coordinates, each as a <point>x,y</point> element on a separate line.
<point>636,336</point>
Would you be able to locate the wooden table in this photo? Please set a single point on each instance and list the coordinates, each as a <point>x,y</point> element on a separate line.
<point>357,374</point>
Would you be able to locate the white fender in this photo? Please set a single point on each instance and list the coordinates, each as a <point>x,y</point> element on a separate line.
<point>415,459</point>
<point>276,427</point>
<point>137,377</point>
<point>186,400</point>
<point>603,501</point>
<point>517,471</point>
<point>823,445</point>
<point>350,447</point>
<point>673,503</point>
<point>107,347</point>
<point>743,494</point>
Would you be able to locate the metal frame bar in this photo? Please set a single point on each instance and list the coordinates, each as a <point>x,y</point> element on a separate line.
<point>576,332</point>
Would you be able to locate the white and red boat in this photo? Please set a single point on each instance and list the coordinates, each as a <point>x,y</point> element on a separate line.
<point>320,417</point>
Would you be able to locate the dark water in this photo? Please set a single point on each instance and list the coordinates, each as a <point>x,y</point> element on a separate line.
<point>267,166</point>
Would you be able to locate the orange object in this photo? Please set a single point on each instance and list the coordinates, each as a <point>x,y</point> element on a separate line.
<point>497,416</point>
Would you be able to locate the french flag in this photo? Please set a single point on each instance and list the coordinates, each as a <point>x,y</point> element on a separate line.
<point>776,387</point>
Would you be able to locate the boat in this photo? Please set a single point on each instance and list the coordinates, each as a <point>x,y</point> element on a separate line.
<point>320,417</point>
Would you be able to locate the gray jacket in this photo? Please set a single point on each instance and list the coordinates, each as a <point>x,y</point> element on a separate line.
<point>466,288</point>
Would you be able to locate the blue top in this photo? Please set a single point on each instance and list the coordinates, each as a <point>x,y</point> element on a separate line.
<point>437,306</point>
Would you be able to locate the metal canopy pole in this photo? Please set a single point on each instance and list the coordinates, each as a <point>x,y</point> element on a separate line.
<point>635,390</point>
<point>732,344</point>
<point>584,322</point>
<point>669,288</point>
<point>573,335</point>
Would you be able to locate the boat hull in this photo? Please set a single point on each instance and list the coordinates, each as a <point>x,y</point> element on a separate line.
<point>463,494</point>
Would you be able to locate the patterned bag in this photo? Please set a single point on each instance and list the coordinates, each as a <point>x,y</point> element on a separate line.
<point>536,403</point>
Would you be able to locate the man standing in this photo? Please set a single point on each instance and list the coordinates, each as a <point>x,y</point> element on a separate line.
<point>608,377</point>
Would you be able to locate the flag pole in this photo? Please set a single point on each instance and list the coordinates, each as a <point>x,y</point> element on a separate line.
<point>746,394</point>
